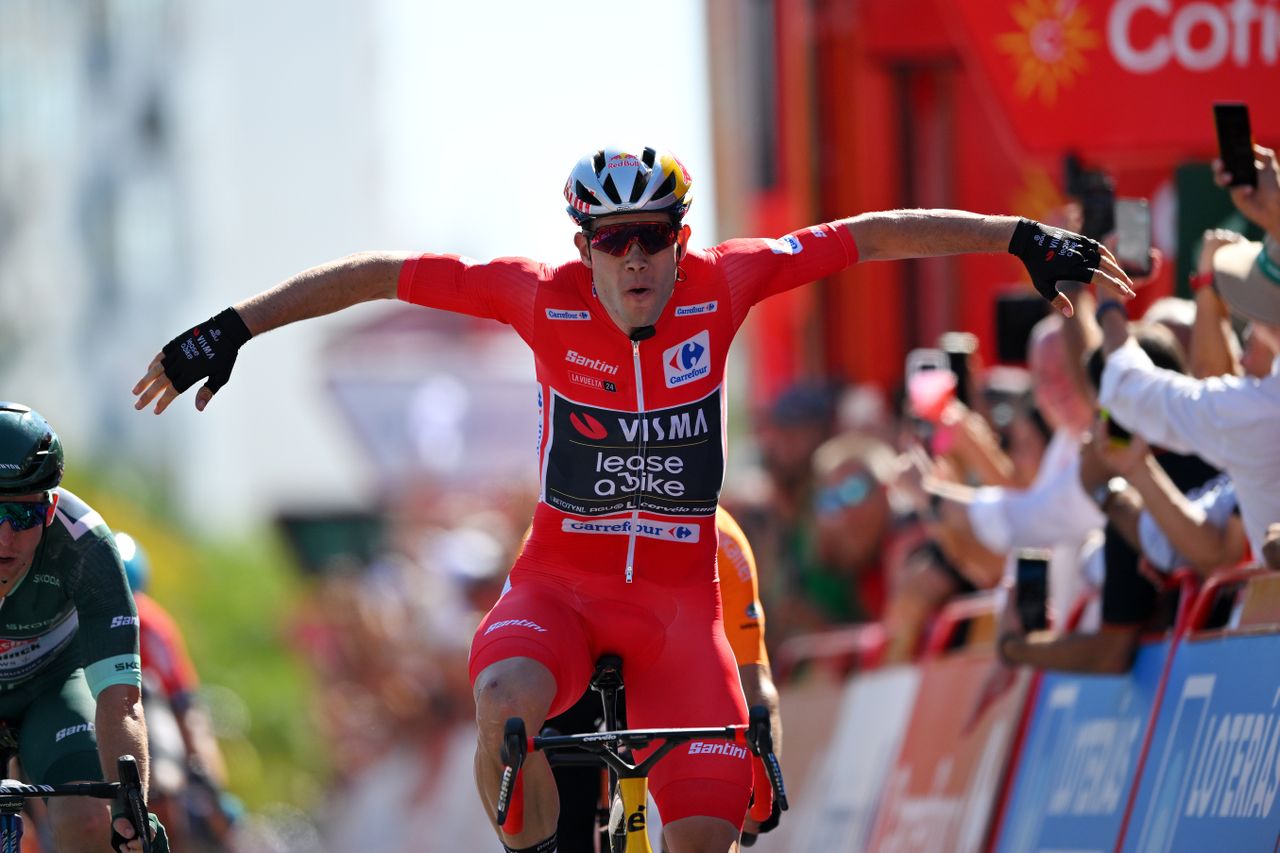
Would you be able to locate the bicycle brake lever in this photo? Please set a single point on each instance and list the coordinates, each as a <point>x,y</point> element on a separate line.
<point>514,749</point>
<point>760,741</point>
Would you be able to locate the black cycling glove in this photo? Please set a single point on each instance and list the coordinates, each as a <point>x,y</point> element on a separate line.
<point>208,350</point>
<point>1053,254</point>
<point>159,839</point>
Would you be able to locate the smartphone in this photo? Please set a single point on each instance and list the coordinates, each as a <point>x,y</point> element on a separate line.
<point>1032,591</point>
<point>1117,435</point>
<point>1096,193</point>
<point>960,348</point>
<point>930,383</point>
<point>1017,313</point>
<point>1133,235</point>
<point>1235,143</point>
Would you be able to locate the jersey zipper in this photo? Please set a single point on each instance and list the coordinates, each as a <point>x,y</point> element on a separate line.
<point>641,449</point>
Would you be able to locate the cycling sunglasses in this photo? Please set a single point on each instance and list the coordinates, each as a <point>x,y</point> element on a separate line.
<point>849,492</point>
<point>23,516</point>
<point>653,237</point>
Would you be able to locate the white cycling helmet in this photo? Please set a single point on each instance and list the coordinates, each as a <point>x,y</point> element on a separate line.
<point>615,180</point>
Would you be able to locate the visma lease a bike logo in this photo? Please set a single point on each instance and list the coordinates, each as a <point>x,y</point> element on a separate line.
<point>605,461</point>
<point>688,360</point>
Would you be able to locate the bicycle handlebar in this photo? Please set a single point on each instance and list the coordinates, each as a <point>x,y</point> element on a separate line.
<point>127,792</point>
<point>756,735</point>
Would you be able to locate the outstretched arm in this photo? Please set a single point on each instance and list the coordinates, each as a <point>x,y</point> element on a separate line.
<point>893,234</point>
<point>1050,254</point>
<point>325,289</point>
<point>312,293</point>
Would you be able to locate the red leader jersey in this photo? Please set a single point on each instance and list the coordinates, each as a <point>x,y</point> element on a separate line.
<point>164,653</point>
<point>632,434</point>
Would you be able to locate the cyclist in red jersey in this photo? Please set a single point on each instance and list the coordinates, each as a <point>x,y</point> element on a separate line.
<point>629,342</point>
<point>188,772</point>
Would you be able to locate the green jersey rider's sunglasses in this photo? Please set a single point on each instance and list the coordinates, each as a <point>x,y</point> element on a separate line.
<point>23,516</point>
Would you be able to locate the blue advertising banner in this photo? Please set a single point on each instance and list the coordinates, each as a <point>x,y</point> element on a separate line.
<point>1211,777</point>
<point>1080,757</point>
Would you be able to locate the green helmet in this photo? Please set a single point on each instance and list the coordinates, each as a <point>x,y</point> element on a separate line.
<point>30,452</point>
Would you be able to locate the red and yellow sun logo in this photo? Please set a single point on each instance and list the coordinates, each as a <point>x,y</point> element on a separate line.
<point>1049,47</point>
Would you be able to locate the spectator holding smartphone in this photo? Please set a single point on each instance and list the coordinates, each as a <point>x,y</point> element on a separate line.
<point>1231,421</point>
<point>1163,508</point>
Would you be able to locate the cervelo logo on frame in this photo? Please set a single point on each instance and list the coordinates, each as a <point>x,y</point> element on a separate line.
<point>694,310</point>
<point>688,360</point>
<point>568,314</point>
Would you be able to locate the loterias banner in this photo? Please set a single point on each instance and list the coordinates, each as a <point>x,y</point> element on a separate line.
<point>1117,75</point>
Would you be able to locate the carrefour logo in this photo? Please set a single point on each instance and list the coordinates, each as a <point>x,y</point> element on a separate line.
<point>567,314</point>
<point>788,245</point>
<point>694,310</point>
<point>688,361</point>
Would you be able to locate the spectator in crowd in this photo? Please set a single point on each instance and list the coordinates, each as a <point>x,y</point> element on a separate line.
<point>980,528</point>
<point>1231,421</point>
<point>777,511</point>
<point>1169,509</point>
<point>855,522</point>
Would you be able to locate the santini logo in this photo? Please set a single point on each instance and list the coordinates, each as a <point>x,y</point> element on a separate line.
<point>701,747</point>
<point>515,623</point>
<point>567,314</point>
<point>575,357</point>
<point>688,361</point>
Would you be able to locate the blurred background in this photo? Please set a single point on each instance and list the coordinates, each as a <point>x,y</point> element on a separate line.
<point>328,532</point>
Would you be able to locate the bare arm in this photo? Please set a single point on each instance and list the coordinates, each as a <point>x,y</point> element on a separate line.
<point>1080,335</point>
<point>893,234</point>
<point>1210,351</point>
<point>759,689</point>
<point>121,729</point>
<point>977,448</point>
<point>1207,546</point>
<point>202,746</point>
<point>324,289</point>
<point>314,292</point>
<point>1110,650</point>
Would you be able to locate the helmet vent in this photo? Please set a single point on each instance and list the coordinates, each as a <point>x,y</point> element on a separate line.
<point>610,190</point>
<point>581,191</point>
<point>637,187</point>
<point>649,157</point>
<point>667,188</point>
<point>599,161</point>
